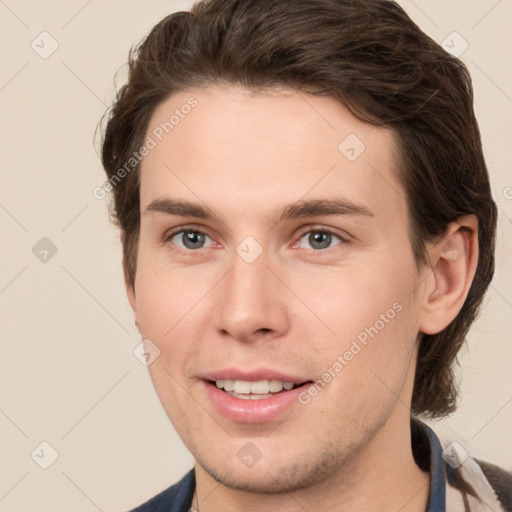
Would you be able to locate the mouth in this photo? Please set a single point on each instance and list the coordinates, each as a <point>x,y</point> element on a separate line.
<point>254,390</point>
<point>254,398</point>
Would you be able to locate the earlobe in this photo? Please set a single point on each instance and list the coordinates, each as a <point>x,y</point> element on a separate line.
<point>453,264</point>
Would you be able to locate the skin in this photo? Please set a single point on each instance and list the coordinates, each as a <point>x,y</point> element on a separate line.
<point>295,308</point>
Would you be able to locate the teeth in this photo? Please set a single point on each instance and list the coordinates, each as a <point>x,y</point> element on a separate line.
<point>258,388</point>
<point>250,396</point>
<point>229,385</point>
<point>263,388</point>
<point>275,386</point>
<point>242,386</point>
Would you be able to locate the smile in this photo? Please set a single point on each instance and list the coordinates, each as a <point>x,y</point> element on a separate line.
<point>257,397</point>
<point>247,390</point>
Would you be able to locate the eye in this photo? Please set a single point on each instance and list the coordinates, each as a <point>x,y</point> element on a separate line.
<point>319,239</point>
<point>190,239</point>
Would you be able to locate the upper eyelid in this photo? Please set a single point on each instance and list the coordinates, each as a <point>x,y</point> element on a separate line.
<point>169,233</point>
<point>324,229</point>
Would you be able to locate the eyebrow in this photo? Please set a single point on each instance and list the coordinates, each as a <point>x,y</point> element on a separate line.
<point>300,209</point>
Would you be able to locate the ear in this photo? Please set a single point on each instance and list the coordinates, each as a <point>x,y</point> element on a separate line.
<point>130,293</point>
<point>453,262</point>
<point>129,286</point>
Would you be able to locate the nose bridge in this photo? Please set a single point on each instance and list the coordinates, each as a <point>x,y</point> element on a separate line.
<point>250,301</point>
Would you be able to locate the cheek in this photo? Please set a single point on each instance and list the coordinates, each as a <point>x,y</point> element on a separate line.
<point>363,335</point>
<point>166,296</point>
<point>377,359</point>
<point>172,312</point>
<point>350,301</point>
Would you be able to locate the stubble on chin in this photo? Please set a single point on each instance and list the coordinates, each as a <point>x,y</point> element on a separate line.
<point>302,471</point>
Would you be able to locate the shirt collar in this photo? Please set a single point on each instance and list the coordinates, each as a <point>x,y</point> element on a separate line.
<point>428,452</point>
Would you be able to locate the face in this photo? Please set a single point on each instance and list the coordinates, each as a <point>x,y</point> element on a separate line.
<point>274,254</point>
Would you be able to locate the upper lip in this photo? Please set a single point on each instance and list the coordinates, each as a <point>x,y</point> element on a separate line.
<point>252,375</point>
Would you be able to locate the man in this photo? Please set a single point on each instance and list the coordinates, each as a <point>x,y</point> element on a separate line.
<point>308,232</point>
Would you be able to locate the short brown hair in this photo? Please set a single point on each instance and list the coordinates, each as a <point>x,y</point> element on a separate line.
<point>371,57</point>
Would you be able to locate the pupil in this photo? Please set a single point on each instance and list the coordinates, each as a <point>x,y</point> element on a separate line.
<point>193,240</point>
<point>320,240</point>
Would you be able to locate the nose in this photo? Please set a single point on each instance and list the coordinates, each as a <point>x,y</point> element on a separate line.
<point>252,303</point>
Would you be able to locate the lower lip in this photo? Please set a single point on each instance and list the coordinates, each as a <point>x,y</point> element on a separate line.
<point>253,411</point>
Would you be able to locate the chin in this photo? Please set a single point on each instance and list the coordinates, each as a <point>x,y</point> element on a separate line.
<point>278,475</point>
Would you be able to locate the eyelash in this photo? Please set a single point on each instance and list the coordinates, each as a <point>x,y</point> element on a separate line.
<point>310,229</point>
<point>321,229</point>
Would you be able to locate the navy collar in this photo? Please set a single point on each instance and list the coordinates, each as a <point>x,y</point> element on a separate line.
<point>437,496</point>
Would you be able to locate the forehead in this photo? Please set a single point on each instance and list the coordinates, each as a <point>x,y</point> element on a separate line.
<point>232,148</point>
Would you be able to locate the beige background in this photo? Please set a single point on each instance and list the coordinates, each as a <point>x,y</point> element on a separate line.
<point>68,374</point>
